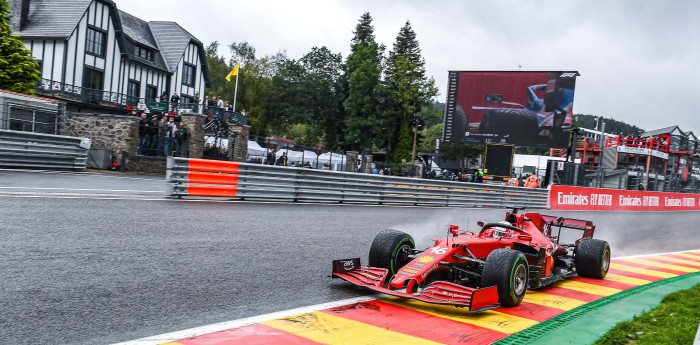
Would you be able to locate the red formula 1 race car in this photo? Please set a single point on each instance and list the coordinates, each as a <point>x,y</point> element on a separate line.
<point>481,270</point>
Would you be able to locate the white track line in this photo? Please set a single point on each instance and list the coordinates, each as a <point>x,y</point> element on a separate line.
<point>197,331</point>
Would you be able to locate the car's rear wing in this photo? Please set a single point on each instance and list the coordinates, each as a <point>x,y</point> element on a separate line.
<point>571,223</point>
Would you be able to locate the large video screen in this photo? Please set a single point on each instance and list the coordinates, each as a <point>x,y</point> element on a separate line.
<point>519,108</point>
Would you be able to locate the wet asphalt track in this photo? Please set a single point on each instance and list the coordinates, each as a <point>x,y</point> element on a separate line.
<point>106,258</point>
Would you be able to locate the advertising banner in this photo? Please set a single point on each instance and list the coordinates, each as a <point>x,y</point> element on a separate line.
<point>599,199</point>
<point>519,108</point>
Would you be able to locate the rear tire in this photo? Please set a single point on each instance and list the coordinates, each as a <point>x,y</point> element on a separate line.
<point>391,249</point>
<point>592,259</point>
<point>508,270</point>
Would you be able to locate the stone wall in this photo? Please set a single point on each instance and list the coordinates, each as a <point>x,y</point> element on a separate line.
<point>238,138</point>
<point>119,133</point>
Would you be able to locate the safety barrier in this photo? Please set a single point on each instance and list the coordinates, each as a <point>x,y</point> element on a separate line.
<point>210,178</point>
<point>42,151</point>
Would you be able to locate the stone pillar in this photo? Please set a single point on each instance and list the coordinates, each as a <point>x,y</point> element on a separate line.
<point>368,164</point>
<point>351,163</point>
<point>238,136</point>
<point>195,127</point>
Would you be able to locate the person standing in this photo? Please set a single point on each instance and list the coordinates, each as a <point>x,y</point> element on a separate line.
<point>514,181</point>
<point>219,103</point>
<point>170,136</point>
<point>164,97</point>
<point>143,126</point>
<point>174,101</point>
<point>162,134</point>
<point>152,133</point>
<point>479,176</point>
<point>196,102</point>
<point>532,181</point>
<point>181,136</point>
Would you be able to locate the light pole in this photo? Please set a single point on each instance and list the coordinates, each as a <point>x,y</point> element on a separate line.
<point>415,139</point>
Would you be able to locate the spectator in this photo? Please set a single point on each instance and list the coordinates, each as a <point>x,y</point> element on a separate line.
<point>282,160</point>
<point>479,176</point>
<point>195,109</point>
<point>243,112</point>
<point>205,104</point>
<point>181,136</point>
<point>271,157</point>
<point>162,134</point>
<point>143,125</point>
<point>174,101</point>
<point>170,136</point>
<point>164,97</point>
<point>219,103</point>
<point>532,181</point>
<point>152,133</point>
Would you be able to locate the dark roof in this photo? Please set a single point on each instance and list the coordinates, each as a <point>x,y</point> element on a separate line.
<point>137,30</point>
<point>665,130</point>
<point>172,40</point>
<point>49,18</point>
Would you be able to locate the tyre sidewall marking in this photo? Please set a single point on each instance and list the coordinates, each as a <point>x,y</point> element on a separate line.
<point>511,283</point>
<point>395,252</point>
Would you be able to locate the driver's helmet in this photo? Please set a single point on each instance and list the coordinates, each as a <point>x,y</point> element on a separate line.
<point>499,232</point>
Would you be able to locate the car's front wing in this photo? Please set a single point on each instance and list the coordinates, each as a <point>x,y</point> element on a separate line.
<point>439,292</point>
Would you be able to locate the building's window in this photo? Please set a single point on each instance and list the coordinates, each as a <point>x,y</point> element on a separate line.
<point>92,86</point>
<point>151,92</point>
<point>95,42</point>
<point>92,79</point>
<point>132,92</point>
<point>186,102</point>
<point>144,53</point>
<point>188,72</point>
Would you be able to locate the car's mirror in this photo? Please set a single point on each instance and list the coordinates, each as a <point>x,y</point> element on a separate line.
<point>480,223</point>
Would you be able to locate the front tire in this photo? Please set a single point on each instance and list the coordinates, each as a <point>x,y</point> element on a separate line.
<point>592,259</point>
<point>391,250</point>
<point>508,270</point>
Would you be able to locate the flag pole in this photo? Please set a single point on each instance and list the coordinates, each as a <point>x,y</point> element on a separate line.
<point>235,90</point>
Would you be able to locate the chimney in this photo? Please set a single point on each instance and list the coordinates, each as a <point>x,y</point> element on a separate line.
<point>24,13</point>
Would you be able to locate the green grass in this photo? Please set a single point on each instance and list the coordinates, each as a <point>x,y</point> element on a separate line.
<point>674,321</point>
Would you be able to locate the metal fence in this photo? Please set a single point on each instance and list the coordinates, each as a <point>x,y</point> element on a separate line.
<point>42,151</point>
<point>209,178</point>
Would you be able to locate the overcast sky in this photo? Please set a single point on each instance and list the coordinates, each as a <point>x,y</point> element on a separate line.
<point>638,59</point>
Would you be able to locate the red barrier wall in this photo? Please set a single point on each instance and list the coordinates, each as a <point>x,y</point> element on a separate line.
<point>598,199</point>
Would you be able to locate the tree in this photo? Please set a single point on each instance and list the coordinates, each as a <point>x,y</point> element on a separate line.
<point>430,134</point>
<point>18,71</point>
<point>309,92</point>
<point>364,70</point>
<point>408,88</point>
<point>402,152</point>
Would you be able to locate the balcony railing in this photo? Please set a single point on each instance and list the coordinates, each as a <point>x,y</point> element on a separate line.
<point>55,89</point>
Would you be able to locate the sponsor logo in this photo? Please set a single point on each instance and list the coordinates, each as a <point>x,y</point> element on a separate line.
<point>572,199</point>
<point>425,274</point>
<point>348,265</point>
<point>409,271</point>
<point>426,259</point>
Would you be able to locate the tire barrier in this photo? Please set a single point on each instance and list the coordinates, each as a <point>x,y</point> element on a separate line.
<point>211,178</point>
<point>42,151</point>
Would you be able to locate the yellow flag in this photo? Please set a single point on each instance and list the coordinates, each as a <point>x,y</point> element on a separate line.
<point>234,72</point>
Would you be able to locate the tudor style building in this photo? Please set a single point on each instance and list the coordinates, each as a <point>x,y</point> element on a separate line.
<point>98,58</point>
